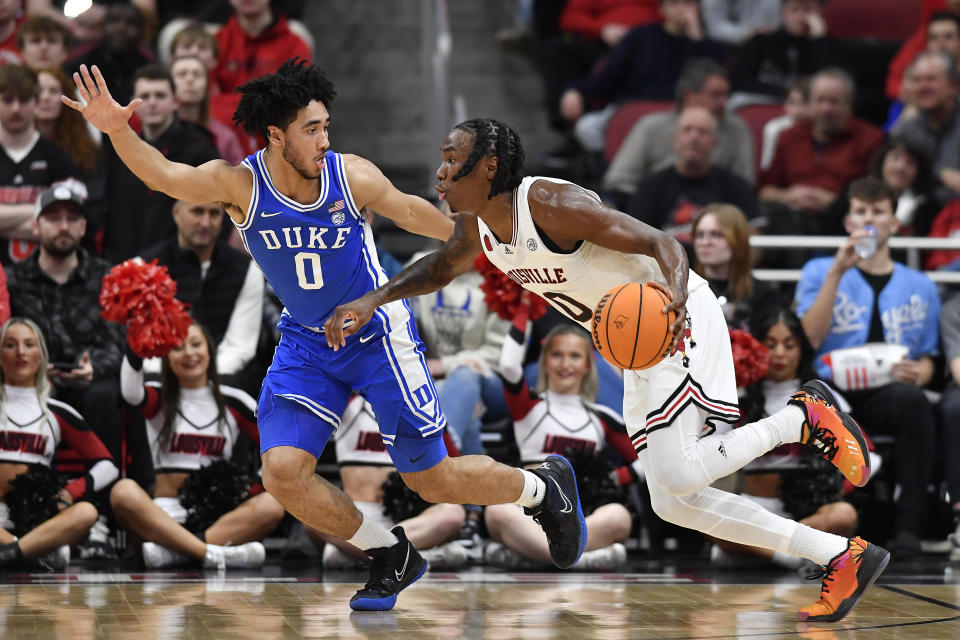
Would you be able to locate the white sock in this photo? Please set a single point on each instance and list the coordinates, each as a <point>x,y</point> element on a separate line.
<point>819,546</point>
<point>533,490</point>
<point>371,535</point>
<point>783,427</point>
<point>786,560</point>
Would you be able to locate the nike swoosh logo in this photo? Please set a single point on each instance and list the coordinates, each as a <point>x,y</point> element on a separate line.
<point>418,458</point>
<point>400,573</point>
<point>567,505</point>
<point>264,214</point>
<point>366,339</point>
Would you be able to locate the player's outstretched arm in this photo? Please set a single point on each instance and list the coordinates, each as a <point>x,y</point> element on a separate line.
<point>210,182</point>
<point>373,190</point>
<point>429,273</point>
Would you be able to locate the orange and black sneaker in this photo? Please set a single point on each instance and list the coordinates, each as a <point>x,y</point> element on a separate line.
<point>833,433</point>
<point>845,579</point>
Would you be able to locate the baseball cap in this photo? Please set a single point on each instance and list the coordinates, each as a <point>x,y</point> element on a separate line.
<point>72,191</point>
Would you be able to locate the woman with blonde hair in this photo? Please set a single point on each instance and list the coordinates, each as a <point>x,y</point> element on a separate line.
<point>66,127</point>
<point>721,246</point>
<point>561,417</point>
<point>33,425</point>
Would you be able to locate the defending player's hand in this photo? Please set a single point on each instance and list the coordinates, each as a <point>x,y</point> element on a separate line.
<point>353,314</point>
<point>100,110</point>
<point>678,304</point>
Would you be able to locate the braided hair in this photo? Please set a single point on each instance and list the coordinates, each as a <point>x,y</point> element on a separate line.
<point>277,98</point>
<point>496,140</point>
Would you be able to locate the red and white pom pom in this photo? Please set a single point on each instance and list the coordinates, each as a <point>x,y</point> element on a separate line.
<point>505,297</point>
<point>141,296</point>
<point>751,359</point>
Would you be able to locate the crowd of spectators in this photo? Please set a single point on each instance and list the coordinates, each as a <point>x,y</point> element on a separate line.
<point>701,170</point>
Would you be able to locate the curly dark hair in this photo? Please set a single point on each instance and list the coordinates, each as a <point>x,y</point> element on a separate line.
<point>277,98</point>
<point>497,140</point>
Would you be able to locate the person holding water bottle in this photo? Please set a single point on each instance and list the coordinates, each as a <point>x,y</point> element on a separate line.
<point>862,298</point>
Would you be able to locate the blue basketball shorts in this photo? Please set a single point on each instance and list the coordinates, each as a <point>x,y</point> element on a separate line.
<point>309,384</point>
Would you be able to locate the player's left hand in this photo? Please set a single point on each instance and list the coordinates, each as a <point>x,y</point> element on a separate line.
<point>678,304</point>
<point>358,311</point>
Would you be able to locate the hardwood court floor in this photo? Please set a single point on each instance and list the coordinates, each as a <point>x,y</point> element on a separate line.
<point>669,602</point>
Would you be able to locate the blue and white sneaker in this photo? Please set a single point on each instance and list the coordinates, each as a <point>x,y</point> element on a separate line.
<point>392,569</point>
<point>560,514</point>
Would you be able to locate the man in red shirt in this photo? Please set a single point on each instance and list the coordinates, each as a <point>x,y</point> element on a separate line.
<point>254,42</point>
<point>815,159</point>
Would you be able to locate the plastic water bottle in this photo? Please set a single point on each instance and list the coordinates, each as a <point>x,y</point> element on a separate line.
<point>867,246</point>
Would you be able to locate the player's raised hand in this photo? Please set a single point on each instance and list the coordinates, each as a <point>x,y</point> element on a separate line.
<point>100,110</point>
<point>354,315</point>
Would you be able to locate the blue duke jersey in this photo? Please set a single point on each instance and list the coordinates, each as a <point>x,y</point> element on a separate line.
<point>317,256</point>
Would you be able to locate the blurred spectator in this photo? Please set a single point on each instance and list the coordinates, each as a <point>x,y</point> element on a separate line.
<point>950,413</point>
<point>253,42</point>
<point>29,163</point>
<point>937,125</point>
<point>796,107</point>
<point>201,428</point>
<point>10,12</point>
<point>589,30</point>
<point>463,339</point>
<point>670,198</point>
<point>120,52</point>
<point>649,145</point>
<point>768,63</point>
<point>178,141</point>
<point>4,297</point>
<point>365,466</point>
<point>195,41</point>
<point>58,287</point>
<point>41,425</point>
<point>943,35</point>
<point>190,80</point>
<point>915,44</point>
<point>733,21</point>
<point>557,417</point>
<point>645,65</point>
<point>903,166</point>
<point>780,481</point>
<point>721,248</point>
<point>815,159</point>
<point>62,125</point>
<point>44,43</point>
<point>222,286</point>
<point>863,299</point>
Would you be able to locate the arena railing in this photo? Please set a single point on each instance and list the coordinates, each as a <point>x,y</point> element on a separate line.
<point>912,246</point>
<point>436,46</point>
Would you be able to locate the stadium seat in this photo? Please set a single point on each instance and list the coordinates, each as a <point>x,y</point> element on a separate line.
<point>756,116</point>
<point>872,19</point>
<point>623,120</point>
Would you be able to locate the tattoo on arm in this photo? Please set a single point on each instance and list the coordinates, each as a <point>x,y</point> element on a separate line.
<point>430,273</point>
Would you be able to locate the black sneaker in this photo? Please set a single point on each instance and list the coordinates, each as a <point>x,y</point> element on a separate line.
<point>560,514</point>
<point>392,570</point>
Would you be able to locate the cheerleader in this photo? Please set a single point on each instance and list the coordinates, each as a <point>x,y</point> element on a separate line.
<point>47,516</point>
<point>560,417</point>
<point>193,422</point>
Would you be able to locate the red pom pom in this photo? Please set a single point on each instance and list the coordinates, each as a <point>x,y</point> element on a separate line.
<point>503,296</point>
<point>141,296</point>
<point>750,358</point>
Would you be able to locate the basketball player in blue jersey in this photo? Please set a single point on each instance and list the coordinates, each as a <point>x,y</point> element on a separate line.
<point>298,208</point>
<point>559,241</point>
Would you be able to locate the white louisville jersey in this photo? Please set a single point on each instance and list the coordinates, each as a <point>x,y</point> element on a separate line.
<point>358,437</point>
<point>572,282</point>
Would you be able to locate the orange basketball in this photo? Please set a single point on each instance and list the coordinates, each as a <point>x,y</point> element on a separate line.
<point>630,329</point>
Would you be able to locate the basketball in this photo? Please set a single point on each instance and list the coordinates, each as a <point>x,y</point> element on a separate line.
<point>630,329</point>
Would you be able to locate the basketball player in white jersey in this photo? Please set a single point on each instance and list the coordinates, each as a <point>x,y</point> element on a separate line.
<point>559,241</point>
